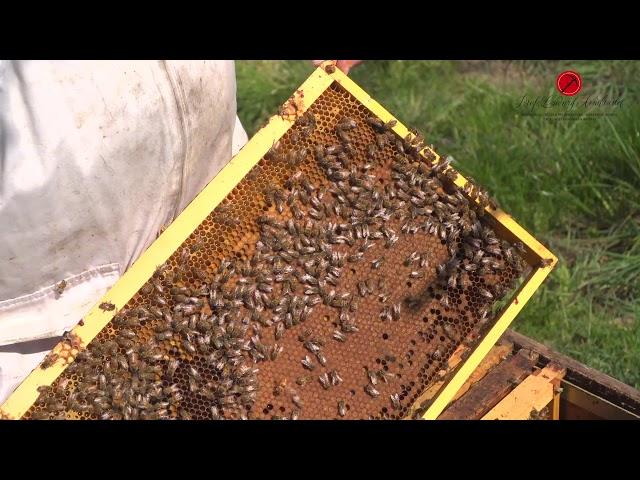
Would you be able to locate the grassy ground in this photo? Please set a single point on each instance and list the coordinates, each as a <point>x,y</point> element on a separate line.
<point>574,184</point>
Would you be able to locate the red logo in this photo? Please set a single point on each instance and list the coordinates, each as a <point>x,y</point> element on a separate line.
<point>569,83</point>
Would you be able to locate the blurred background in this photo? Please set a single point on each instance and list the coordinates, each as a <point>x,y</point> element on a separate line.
<point>574,183</point>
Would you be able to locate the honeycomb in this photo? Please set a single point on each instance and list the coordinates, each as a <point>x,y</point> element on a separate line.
<point>343,248</point>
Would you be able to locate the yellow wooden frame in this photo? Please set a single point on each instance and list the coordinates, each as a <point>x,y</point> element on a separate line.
<point>125,288</point>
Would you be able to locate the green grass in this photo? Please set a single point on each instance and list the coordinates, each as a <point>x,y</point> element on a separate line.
<point>575,185</point>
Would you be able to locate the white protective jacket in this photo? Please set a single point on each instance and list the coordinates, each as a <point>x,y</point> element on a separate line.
<point>95,157</point>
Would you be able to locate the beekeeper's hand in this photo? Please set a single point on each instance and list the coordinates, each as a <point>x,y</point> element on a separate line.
<point>344,65</point>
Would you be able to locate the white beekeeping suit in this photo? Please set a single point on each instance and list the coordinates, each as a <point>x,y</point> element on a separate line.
<point>95,157</point>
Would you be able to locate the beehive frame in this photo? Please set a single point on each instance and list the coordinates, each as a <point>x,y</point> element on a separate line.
<point>216,191</point>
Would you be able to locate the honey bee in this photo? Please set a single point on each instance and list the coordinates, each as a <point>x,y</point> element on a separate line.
<point>308,363</point>
<point>371,391</point>
<point>330,68</point>
<point>395,311</point>
<point>349,328</point>
<point>375,122</point>
<point>371,150</point>
<point>373,378</point>
<point>59,288</point>
<point>395,401</point>
<point>185,254</point>
<point>485,293</point>
<point>172,366</point>
<point>324,381</point>
<point>342,408</point>
<point>41,415</point>
<point>322,360</point>
<point>197,245</point>
<point>385,376</point>
<point>159,300</point>
<point>279,331</point>
<point>107,306</point>
<point>72,340</point>
<point>49,360</point>
<point>413,257</point>
<point>343,136</point>
<point>280,387</point>
<point>297,401</point>
<point>62,385</point>
<point>302,381</point>
<point>335,378</point>
<point>375,264</point>
<point>545,262</point>
<point>347,123</point>
<point>385,314</point>
<point>355,257</point>
<point>188,346</point>
<point>449,330</point>
<point>313,347</point>
<point>276,350</point>
<point>445,300</point>
<point>127,334</point>
<point>339,336</point>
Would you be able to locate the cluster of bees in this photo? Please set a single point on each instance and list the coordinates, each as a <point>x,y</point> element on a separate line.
<point>235,315</point>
